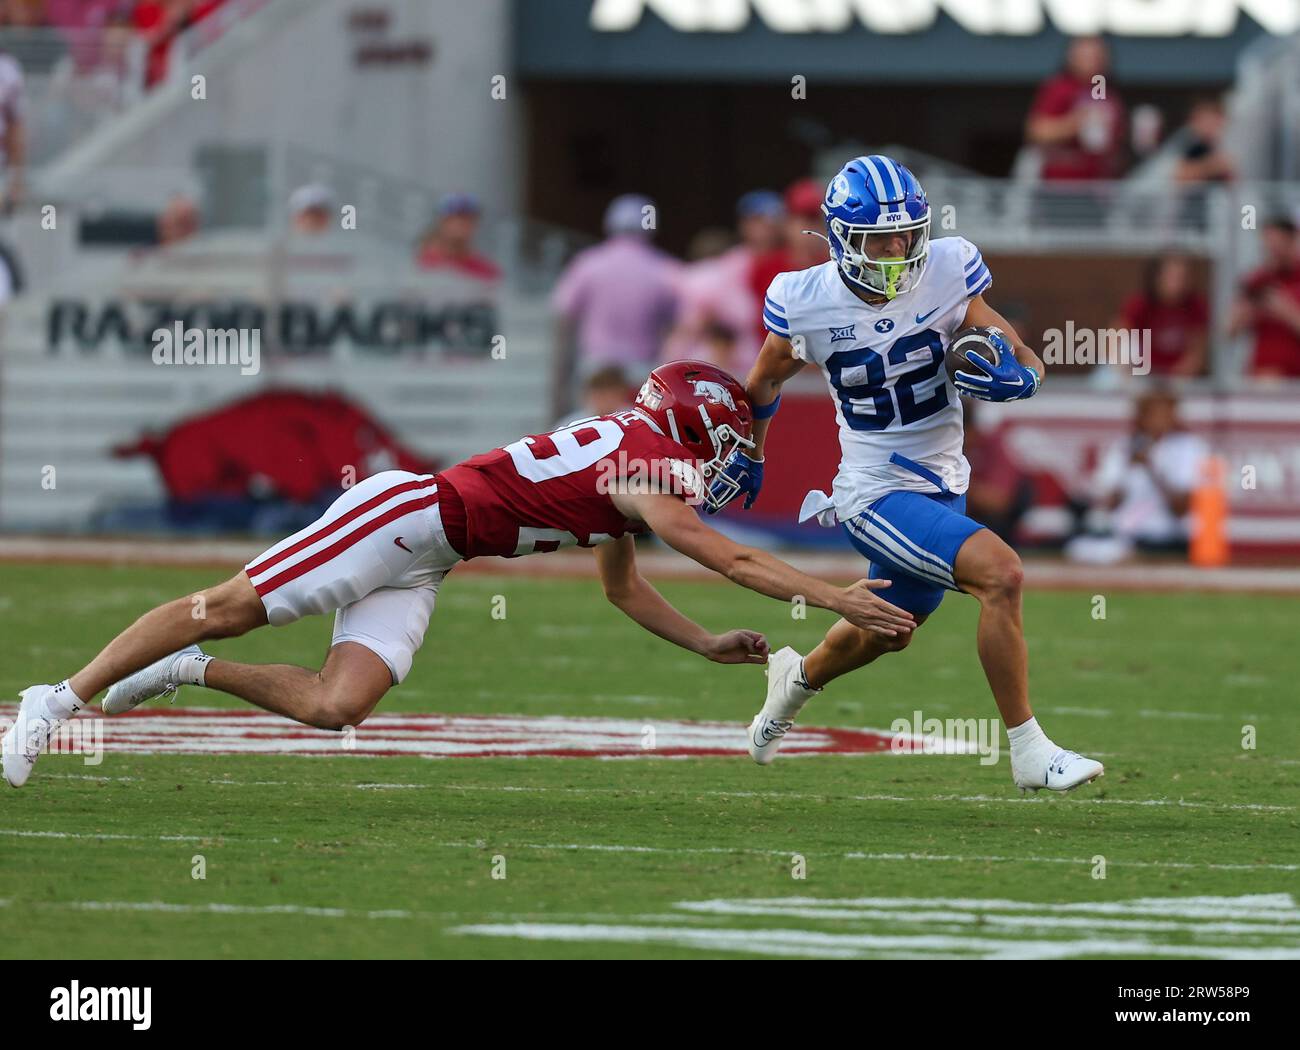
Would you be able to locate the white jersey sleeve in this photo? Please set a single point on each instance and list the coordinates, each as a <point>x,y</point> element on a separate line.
<point>775,315</point>
<point>976,279</point>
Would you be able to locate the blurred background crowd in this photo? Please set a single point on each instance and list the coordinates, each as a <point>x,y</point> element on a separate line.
<point>474,221</point>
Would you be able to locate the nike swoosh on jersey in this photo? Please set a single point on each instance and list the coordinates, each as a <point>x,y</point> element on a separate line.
<point>922,318</point>
<point>404,547</point>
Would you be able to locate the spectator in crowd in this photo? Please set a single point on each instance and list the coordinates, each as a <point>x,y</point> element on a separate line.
<point>763,223</point>
<point>449,243</point>
<point>1203,156</point>
<point>1000,492</point>
<point>178,221</point>
<point>727,292</point>
<point>11,275</point>
<point>1078,120</point>
<point>161,22</point>
<point>1268,304</point>
<point>1143,488</point>
<point>1203,159</point>
<point>311,210</point>
<point>1176,314</point>
<point>803,209</point>
<point>615,302</point>
<point>605,392</point>
<point>23,13</point>
<point>13,133</point>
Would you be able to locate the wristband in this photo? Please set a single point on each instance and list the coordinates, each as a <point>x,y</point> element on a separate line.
<point>767,411</point>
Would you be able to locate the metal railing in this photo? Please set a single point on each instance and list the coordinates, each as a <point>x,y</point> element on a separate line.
<point>399,210</point>
<point>74,80</point>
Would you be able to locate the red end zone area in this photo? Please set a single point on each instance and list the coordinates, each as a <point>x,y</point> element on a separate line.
<point>219,731</point>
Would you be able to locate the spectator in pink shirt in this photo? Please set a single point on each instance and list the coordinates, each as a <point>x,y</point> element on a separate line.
<point>722,293</point>
<point>615,302</point>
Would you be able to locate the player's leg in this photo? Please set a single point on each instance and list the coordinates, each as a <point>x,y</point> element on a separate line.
<point>340,694</point>
<point>915,585</point>
<point>384,531</point>
<point>338,559</point>
<point>164,639</point>
<point>375,642</point>
<point>846,647</point>
<point>226,611</point>
<point>991,571</point>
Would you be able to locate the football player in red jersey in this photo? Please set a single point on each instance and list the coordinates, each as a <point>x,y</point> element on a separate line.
<point>378,555</point>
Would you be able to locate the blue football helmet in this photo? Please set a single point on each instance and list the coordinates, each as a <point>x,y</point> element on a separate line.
<point>873,195</point>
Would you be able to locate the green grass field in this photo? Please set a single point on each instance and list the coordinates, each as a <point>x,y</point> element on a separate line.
<point>900,854</point>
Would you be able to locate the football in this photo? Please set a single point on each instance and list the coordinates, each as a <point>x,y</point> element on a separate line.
<point>975,338</point>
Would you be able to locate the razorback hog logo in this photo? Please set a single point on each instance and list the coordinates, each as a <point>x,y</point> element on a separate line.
<point>713,392</point>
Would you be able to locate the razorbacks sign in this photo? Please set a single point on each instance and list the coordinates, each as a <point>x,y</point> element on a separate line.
<point>375,326</point>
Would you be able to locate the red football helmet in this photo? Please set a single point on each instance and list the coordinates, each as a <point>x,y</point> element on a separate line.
<point>704,409</point>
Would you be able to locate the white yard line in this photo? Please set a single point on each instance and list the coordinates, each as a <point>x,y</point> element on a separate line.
<point>948,858</point>
<point>799,796</point>
<point>1014,800</point>
<point>235,909</point>
<point>819,945</point>
<point>25,834</point>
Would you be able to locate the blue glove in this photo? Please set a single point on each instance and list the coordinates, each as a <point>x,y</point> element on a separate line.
<point>740,475</point>
<point>1008,380</point>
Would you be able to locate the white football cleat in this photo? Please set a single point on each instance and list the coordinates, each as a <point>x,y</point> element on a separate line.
<point>765,736</point>
<point>785,697</point>
<point>33,726</point>
<point>1055,769</point>
<point>150,683</point>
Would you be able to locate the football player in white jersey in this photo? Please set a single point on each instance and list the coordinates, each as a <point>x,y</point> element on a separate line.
<point>877,320</point>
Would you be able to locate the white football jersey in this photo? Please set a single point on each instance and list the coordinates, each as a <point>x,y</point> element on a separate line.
<point>899,416</point>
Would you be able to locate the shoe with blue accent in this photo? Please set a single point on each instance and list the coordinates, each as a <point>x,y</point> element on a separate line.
<point>1053,768</point>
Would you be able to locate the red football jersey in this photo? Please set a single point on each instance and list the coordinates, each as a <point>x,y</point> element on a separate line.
<point>553,490</point>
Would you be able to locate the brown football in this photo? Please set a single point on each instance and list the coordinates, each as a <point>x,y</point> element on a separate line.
<point>976,339</point>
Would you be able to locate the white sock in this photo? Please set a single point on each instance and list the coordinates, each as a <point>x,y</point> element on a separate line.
<point>192,668</point>
<point>1027,736</point>
<point>800,693</point>
<point>63,702</point>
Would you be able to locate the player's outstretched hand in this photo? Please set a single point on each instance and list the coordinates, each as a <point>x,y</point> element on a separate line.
<point>739,476</point>
<point>863,609</point>
<point>738,647</point>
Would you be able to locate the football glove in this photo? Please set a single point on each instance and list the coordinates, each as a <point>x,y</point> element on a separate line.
<point>743,474</point>
<point>1008,380</point>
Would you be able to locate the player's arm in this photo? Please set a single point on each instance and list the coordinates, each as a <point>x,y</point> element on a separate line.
<point>681,528</point>
<point>980,314</point>
<point>777,362</point>
<point>631,592</point>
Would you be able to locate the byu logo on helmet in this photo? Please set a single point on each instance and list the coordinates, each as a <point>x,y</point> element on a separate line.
<point>715,392</point>
<point>839,191</point>
<point>878,225</point>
